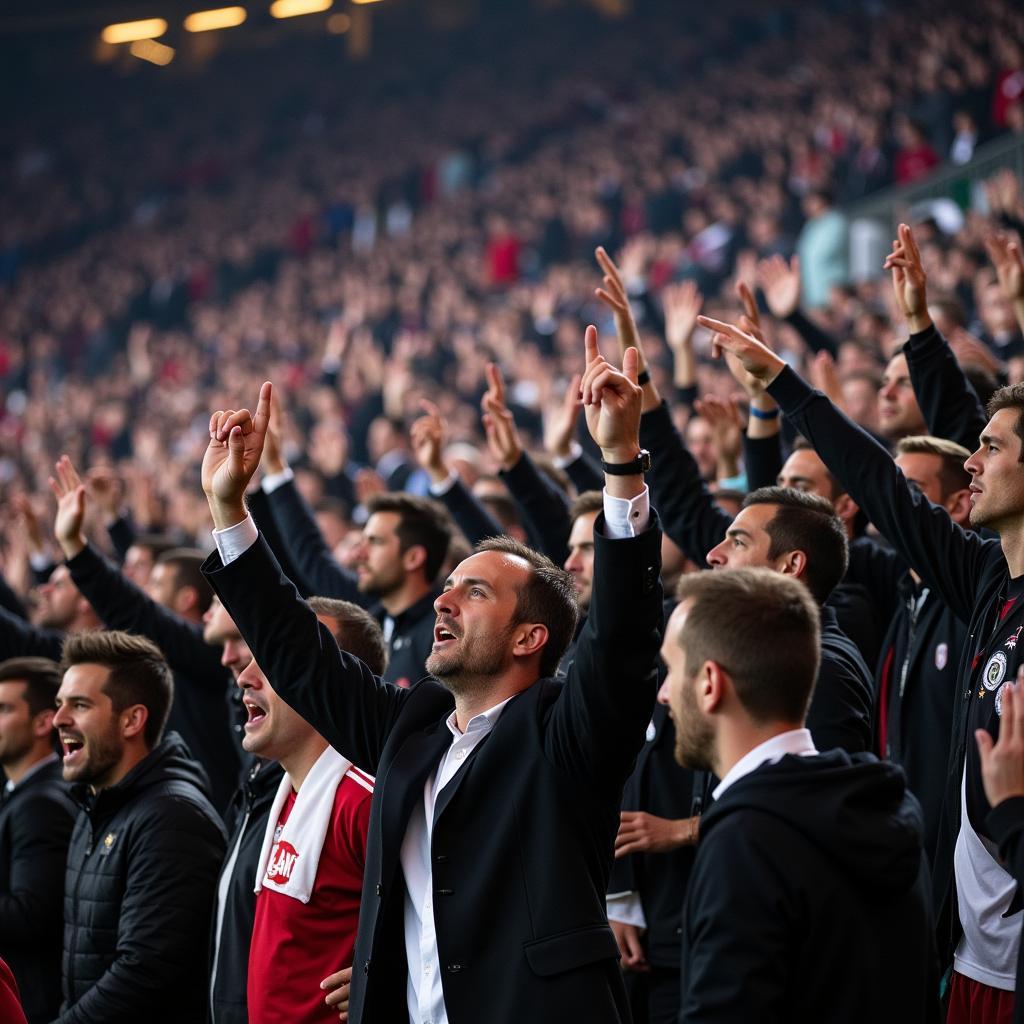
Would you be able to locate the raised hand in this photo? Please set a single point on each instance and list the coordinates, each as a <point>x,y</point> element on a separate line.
<point>1002,760</point>
<point>614,296</point>
<point>22,504</point>
<point>780,282</point>
<point>499,424</point>
<point>909,281</point>
<point>560,423</point>
<point>233,456</point>
<point>681,304</point>
<point>825,377</point>
<point>612,401</point>
<point>69,490</point>
<point>427,435</point>
<point>107,488</point>
<point>755,357</point>
<point>1004,250</point>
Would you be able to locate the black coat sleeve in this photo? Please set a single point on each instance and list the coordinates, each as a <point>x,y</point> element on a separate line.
<point>690,516</point>
<point>471,517</point>
<point>598,725</point>
<point>10,600</point>
<point>165,913</point>
<point>19,638</point>
<point>840,711</point>
<point>122,535</point>
<point>306,548</point>
<point>40,828</point>
<point>349,706</point>
<point>122,605</point>
<point>948,401</point>
<point>585,474</point>
<point>879,571</point>
<point>545,509</point>
<point>1006,826</point>
<point>948,559</point>
<point>762,459</point>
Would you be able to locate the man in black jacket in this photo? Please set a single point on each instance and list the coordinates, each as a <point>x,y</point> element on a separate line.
<point>808,899</point>
<point>147,844</point>
<point>499,791</point>
<point>36,816</point>
<point>981,581</point>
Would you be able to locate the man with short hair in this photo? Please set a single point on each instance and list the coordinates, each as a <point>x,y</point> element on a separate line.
<point>36,816</point>
<point>178,584</point>
<point>899,415</point>
<point>808,898</point>
<point>498,787</point>
<point>309,870</point>
<point>147,844</point>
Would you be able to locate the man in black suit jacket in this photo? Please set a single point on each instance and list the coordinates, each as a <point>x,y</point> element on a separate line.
<point>498,786</point>
<point>809,895</point>
<point>36,817</point>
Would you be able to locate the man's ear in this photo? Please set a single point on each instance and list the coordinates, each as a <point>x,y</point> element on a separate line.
<point>846,508</point>
<point>133,720</point>
<point>42,723</point>
<point>711,687</point>
<point>529,638</point>
<point>958,505</point>
<point>792,563</point>
<point>414,557</point>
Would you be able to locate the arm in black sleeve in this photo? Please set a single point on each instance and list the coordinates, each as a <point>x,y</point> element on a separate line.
<point>10,600</point>
<point>19,638</point>
<point>762,459</point>
<point>122,605</point>
<point>470,515</point>
<point>122,535</point>
<point>31,900</point>
<point>814,337</point>
<point>585,474</point>
<point>1006,826</point>
<point>689,513</point>
<point>258,502</point>
<point>545,509</point>
<point>948,401</point>
<point>948,559</point>
<point>335,692</point>
<point>306,548</point>
<point>879,571</point>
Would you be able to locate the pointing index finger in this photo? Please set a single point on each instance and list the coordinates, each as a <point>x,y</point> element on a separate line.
<point>590,344</point>
<point>262,419</point>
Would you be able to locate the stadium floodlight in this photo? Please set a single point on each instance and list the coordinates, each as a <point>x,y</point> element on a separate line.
<point>219,17</point>
<point>366,1</point>
<point>151,50</point>
<point>130,31</point>
<point>293,8</point>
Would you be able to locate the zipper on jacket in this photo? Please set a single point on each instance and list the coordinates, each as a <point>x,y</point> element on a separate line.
<point>916,603</point>
<point>73,952</point>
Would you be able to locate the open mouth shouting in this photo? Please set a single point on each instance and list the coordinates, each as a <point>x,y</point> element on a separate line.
<point>443,635</point>
<point>73,747</point>
<point>256,713</point>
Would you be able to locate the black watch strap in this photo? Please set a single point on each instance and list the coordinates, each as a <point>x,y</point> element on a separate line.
<point>641,464</point>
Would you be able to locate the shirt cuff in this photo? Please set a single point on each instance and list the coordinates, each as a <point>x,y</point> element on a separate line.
<point>235,540</point>
<point>626,517</point>
<point>575,451</point>
<point>271,481</point>
<point>626,908</point>
<point>439,490</point>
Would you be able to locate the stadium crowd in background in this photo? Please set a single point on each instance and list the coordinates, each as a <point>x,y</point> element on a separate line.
<point>411,679</point>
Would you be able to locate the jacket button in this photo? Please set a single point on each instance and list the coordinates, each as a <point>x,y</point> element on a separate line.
<point>454,968</point>
<point>380,889</point>
<point>366,967</point>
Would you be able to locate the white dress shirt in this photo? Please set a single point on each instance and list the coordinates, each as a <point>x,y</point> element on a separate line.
<point>795,741</point>
<point>425,996</point>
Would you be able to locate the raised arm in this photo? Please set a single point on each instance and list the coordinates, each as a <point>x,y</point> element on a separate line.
<point>598,726</point>
<point>334,691</point>
<point>948,558</point>
<point>948,401</point>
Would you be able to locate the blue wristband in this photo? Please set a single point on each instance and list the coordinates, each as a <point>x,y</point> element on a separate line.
<point>759,415</point>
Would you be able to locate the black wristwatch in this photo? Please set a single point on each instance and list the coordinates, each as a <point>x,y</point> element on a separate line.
<point>641,464</point>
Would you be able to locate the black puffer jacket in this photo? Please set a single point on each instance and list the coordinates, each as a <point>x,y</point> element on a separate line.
<point>138,894</point>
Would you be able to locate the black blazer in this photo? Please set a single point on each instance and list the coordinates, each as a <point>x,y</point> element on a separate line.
<point>522,839</point>
<point>35,828</point>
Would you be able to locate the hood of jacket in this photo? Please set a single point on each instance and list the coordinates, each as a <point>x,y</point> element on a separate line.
<point>855,809</point>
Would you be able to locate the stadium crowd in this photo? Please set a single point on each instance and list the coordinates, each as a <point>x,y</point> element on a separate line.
<point>443,722</point>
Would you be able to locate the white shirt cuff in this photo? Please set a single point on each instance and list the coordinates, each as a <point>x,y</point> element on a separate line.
<point>40,560</point>
<point>271,481</point>
<point>626,517</point>
<point>235,540</point>
<point>626,908</point>
<point>575,451</point>
<point>437,490</point>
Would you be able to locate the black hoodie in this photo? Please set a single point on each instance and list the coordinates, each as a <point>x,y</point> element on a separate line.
<point>809,899</point>
<point>138,894</point>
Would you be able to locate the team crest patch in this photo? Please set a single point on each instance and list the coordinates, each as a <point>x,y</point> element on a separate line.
<point>108,843</point>
<point>995,671</point>
<point>941,656</point>
<point>282,860</point>
<point>1011,641</point>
